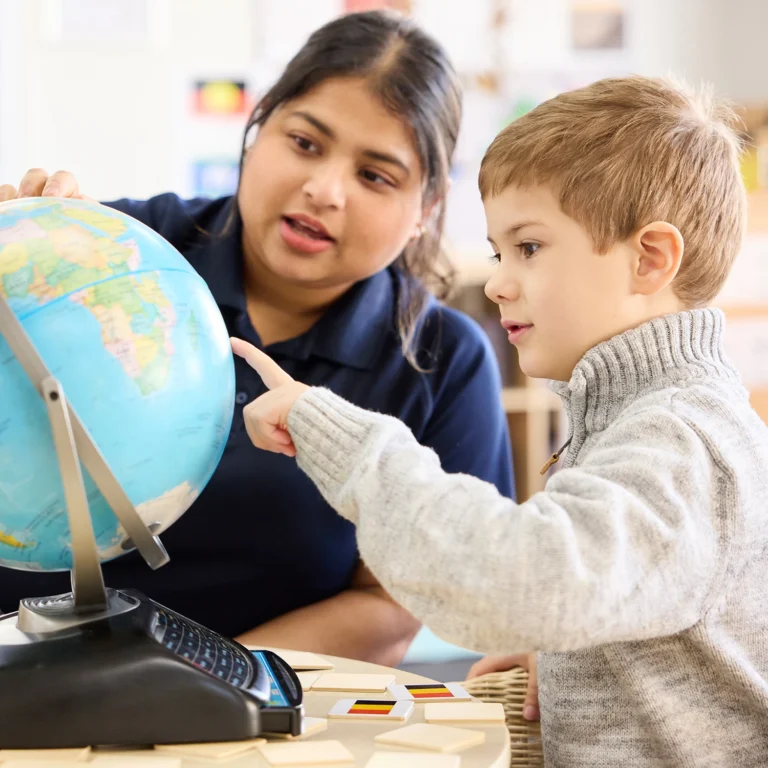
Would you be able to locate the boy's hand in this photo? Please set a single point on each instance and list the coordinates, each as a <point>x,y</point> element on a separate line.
<point>267,416</point>
<point>501,664</point>
<point>37,183</point>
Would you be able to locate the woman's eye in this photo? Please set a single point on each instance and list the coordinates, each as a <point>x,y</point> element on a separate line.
<point>303,143</point>
<point>529,249</point>
<point>496,258</point>
<point>375,178</point>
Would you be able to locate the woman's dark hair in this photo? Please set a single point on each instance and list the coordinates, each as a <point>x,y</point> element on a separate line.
<point>411,74</point>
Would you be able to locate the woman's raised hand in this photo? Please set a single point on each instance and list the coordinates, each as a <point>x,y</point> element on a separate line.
<point>37,183</point>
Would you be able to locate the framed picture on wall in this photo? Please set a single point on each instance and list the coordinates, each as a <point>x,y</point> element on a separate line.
<point>107,23</point>
<point>598,25</point>
<point>220,98</point>
<point>358,6</point>
<point>214,177</point>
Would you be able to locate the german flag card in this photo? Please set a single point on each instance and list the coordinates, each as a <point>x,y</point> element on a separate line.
<point>429,692</point>
<point>371,709</point>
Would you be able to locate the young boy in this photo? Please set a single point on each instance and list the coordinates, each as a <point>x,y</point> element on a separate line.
<point>639,573</point>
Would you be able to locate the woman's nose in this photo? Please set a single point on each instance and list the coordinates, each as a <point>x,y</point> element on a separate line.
<point>502,287</point>
<point>326,186</point>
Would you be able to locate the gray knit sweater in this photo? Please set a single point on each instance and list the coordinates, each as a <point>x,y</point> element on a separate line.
<point>640,572</point>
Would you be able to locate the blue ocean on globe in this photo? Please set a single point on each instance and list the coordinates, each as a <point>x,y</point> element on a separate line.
<point>137,342</point>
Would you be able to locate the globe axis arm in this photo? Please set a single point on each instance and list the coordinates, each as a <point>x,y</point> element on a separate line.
<point>149,546</point>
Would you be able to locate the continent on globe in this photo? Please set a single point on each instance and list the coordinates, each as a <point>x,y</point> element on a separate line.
<point>136,323</point>
<point>136,317</point>
<point>137,342</point>
<point>9,541</point>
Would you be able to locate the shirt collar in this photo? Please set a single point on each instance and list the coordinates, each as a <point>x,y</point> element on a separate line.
<point>352,332</point>
<point>218,258</point>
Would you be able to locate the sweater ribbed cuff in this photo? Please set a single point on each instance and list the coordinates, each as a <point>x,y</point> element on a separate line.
<point>329,434</point>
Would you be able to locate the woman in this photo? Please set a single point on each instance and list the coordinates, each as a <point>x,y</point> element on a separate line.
<point>322,259</point>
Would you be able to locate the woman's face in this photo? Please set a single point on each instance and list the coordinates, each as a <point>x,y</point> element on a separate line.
<point>331,190</point>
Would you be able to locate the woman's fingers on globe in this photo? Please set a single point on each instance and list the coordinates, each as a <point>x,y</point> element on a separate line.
<point>7,192</point>
<point>271,373</point>
<point>61,184</point>
<point>32,183</point>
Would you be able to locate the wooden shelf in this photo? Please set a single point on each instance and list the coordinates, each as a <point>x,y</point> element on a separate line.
<point>534,418</point>
<point>741,311</point>
<point>758,211</point>
<point>471,270</point>
<point>529,399</point>
<point>759,400</point>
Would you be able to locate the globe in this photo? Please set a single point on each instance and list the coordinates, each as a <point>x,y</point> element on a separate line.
<point>142,354</point>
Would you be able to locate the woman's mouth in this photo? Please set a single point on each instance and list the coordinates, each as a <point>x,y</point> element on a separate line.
<point>305,235</point>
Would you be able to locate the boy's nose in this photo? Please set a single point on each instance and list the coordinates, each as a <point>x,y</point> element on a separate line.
<point>325,187</point>
<point>501,288</point>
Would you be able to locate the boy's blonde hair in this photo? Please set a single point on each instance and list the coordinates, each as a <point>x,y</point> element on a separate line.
<point>624,152</point>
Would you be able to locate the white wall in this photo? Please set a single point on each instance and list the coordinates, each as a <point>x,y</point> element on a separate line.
<point>743,30</point>
<point>720,41</point>
<point>116,113</point>
<point>12,104</point>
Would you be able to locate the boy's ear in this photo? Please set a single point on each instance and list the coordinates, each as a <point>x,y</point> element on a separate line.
<point>658,249</point>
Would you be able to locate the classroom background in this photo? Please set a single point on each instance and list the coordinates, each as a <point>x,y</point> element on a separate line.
<point>138,97</point>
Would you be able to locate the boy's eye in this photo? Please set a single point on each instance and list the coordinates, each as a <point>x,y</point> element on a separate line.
<point>528,249</point>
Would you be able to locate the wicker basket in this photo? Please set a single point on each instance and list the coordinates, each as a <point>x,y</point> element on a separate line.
<point>509,689</point>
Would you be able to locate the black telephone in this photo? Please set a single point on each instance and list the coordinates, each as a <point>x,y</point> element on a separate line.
<point>141,675</point>
<point>99,666</point>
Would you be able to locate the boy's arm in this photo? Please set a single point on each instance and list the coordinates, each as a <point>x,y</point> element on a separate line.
<point>621,548</point>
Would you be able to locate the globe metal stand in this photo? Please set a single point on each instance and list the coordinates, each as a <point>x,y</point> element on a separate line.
<point>89,599</point>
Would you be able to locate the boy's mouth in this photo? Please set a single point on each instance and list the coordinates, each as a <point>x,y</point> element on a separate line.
<point>515,331</point>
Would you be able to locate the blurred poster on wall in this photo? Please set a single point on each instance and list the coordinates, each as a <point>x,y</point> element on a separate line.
<point>597,25</point>
<point>358,6</point>
<point>216,177</point>
<point>128,23</point>
<point>754,159</point>
<point>222,98</point>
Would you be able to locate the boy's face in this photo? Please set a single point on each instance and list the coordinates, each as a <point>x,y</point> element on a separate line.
<point>558,297</point>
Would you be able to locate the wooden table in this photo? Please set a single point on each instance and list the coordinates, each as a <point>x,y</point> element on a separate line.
<point>357,736</point>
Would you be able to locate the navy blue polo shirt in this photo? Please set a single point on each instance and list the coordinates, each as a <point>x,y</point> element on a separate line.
<point>260,541</point>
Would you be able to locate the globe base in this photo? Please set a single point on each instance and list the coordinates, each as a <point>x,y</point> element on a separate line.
<point>41,615</point>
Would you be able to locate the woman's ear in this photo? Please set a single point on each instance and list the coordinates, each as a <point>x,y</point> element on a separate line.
<point>429,213</point>
<point>250,136</point>
<point>418,233</point>
<point>658,250</point>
